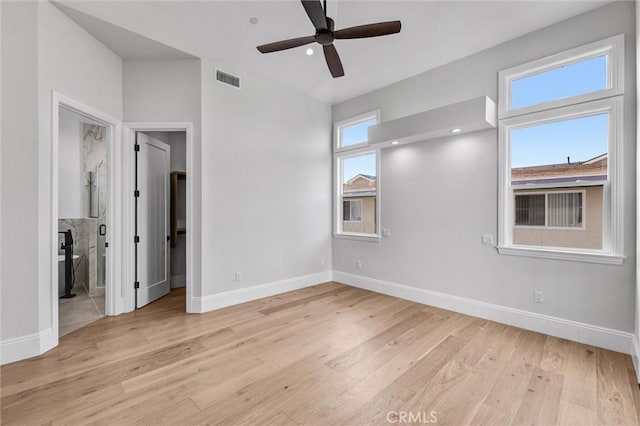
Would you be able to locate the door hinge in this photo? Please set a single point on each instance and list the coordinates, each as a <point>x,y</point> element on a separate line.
<point>136,147</point>
<point>136,239</point>
<point>106,244</point>
<point>168,237</point>
<point>136,284</point>
<point>136,193</point>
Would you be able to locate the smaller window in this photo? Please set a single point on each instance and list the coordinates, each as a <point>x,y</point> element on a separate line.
<point>352,210</point>
<point>586,73</point>
<point>530,210</point>
<point>551,210</point>
<point>564,81</point>
<point>354,132</point>
<point>564,210</point>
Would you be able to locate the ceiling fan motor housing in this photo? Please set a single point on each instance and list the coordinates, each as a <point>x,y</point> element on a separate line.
<point>325,36</point>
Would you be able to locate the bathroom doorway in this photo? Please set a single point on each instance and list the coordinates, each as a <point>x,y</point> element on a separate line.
<point>82,219</point>
<point>83,202</point>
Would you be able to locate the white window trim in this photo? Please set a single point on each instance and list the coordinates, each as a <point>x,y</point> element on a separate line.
<point>613,230</point>
<point>546,225</point>
<point>613,47</point>
<point>350,122</point>
<point>337,212</point>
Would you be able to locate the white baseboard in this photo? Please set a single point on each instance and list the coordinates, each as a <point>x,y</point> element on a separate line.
<point>178,281</point>
<point>242,295</point>
<point>619,341</point>
<point>635,356</point>
<point>27,346</point>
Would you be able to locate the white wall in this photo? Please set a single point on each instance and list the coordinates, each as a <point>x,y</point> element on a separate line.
<point>70,166</point>
<point>636,354</point>
<point>19,219</point>
<point>42,50</point>
<point>439,196</point>
<point>266,183</point>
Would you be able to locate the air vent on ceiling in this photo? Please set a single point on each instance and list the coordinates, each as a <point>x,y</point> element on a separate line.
<point>228,78</point>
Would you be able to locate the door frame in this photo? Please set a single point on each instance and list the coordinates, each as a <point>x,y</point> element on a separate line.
<point>128,185</point>
<point>113,305</point>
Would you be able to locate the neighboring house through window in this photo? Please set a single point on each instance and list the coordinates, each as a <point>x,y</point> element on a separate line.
<point>560,131</point>
<point>357,175</point>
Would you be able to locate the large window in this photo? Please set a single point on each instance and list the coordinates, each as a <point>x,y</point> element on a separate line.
<point>356,201</point>
<point>560,143</point>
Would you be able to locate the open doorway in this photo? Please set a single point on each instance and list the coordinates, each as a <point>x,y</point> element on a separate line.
<point>161,212</point>
<point>82,219</point>
<point>82,206</point>
<point>160,216</point>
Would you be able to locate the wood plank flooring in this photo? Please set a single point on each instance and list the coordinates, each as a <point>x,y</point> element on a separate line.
<point>328,354</point>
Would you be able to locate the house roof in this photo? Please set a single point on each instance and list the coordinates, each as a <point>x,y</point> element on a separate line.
<point>361,175</point>
<point>594,169</point>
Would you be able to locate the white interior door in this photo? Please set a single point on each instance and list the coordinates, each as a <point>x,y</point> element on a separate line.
<point>153,219</point>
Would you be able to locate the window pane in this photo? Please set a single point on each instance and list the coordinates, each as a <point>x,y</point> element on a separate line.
<point>356,133</point>
<point>565,209</point>
<point>359,190</point>
<point>530,210</point>
<point>559,83</point>
<point>566,150</point>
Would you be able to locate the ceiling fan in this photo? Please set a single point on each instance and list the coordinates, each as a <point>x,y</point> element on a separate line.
<point>325,35</point>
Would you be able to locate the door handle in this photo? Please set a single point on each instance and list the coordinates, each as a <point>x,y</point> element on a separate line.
<point>102,230</point>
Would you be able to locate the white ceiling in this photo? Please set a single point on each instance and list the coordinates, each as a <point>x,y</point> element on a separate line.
<point>433,33</point>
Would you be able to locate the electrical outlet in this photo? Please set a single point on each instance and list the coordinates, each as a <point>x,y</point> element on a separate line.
<point>358,264</point>
<point>386,232</point>
<point>487,239</point>
<point>538,296</point>
<point>238,276</point>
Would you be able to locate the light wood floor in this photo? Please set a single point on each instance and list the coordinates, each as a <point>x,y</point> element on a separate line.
<point>328,354</point>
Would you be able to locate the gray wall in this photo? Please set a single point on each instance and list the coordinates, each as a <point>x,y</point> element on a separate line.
<point>266,183</point>
<point>169,90</point>
<point>439,196</point>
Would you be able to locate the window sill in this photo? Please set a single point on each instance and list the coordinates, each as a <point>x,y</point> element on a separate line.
<point>574,256</point>
<point>358,237</point>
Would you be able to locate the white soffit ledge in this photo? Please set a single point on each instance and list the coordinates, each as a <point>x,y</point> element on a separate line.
<point>467,116</point>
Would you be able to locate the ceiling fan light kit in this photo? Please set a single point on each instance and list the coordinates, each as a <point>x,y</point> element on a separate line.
<point>326,34</point>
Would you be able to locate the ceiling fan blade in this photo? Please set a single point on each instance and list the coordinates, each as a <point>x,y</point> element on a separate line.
<point>316,13</point>
<point>285,44</point>
<point>369,30</point>
<point>333,60</point>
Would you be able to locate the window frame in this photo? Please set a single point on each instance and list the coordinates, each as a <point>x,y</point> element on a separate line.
<point>608,101</point>
<point>546,225</point>
<point>612,47</point>
<point>341,153</point>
